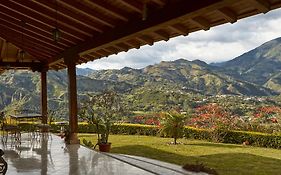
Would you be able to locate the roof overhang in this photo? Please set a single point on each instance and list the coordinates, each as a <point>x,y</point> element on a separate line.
<point>97,28</point>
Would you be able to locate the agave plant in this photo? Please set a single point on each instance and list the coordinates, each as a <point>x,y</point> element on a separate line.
<point>172,125</point>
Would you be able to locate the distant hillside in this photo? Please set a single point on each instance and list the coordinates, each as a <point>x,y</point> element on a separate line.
<point>194,75</point>
<point>255,73</point>
<point>258,65</point>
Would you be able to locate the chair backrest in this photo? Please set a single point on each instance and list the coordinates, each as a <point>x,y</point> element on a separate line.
<point>2,119</point>
<point>3,164</point>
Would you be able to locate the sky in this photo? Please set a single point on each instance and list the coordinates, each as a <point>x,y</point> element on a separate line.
<point>220,43</point>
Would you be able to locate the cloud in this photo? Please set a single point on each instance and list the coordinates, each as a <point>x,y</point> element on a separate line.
<point>220,43</point>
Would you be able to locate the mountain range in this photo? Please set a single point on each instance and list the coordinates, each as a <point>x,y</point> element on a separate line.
<point>255,73</point>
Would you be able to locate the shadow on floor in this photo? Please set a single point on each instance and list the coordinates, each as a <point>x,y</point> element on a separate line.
<point>226,163</point>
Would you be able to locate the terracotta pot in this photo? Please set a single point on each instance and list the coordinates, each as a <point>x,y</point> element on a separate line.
<point>104,147</point>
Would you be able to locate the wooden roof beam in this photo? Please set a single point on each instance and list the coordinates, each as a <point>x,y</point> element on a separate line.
<point>123,46</point>
<point>165,15</point>
<point>27,33</point>
<point>162,34</point>
<point>159,2</point>
<point>40,26</point>
<point>64,20</point>
<point>202,22</point>
<point>18,55</point>
<point>84,59</point>
<point>228,14</point>
<point>86,11</point>
<point>101,4</point>
<point>20,64</point>
<point>29,47</point>
<point>3,49</point>
<point>133,44</point>
<point>133,5</point>
<point>69,14</point>
<point>16,38</point>
<point>90,57</point>
<point>103,52</point>
<point>45,18</point>
<point>179,28</point>
<point>96,55</point>
<point>147,39</point>
<point>262,5</point>
<point>113,49</point>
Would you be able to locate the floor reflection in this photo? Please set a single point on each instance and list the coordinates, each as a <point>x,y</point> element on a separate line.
<point>28,154</point>
<point>50,156</point>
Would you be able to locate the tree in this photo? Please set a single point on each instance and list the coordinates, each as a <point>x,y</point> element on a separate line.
<point>103,110</point>
<point>172,124</point>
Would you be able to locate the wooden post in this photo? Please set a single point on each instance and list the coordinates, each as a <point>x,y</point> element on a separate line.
<point>44,104</point>
<point>72,96</point>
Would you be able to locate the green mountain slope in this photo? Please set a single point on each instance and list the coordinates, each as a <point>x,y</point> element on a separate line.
<point>258,65</point>
<point>193,75</point>
<point>255,73</point>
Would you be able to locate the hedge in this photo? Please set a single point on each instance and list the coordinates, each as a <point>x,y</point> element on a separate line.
<point>235,137</point>
<point>219,135</point>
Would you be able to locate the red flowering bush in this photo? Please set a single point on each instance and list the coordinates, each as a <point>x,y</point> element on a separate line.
<point>266,114</point>
<point>147,119</point>
<point>213,116</point>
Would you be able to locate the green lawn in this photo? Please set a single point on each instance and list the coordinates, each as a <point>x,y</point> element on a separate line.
<point>226,159</point>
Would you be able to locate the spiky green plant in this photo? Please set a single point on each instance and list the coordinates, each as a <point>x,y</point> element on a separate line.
<point>172,125</point>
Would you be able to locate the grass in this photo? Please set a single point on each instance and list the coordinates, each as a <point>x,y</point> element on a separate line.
<point>226,159</point>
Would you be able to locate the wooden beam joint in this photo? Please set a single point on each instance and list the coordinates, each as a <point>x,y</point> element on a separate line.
<point>202,22</point>
<point>262,5</point>
<point>228,14</point>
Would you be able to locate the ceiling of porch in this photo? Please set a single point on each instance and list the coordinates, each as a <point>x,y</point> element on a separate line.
<point>94,29</point>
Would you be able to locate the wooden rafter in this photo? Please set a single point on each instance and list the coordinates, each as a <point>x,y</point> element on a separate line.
<point>3,49</point>
<point>38,23</point>
<point>146,39</point>
<point>262,5</point>
<point>165,14</point>
<point>87,11</point>
<point>69,14</point>
<point>20,64</point>
<point>45,18</point>
<point>133,5</point>
<point>29,35</point>
<point>179,28</point>
<point>201,22</point>
<point>108,8</point>
<point>164,35</point>
<point>101,28</point>
<point>228,14</point>
<point>29,47</point>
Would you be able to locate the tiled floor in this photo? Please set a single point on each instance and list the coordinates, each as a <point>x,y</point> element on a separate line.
<point>51,156</point>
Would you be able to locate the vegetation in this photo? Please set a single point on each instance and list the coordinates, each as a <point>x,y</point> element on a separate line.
<point>226,159</point>
<point>172,124</point>
<point>102,110</point>
<point>232,102</point>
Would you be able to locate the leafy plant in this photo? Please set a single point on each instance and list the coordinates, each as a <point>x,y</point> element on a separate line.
<point>102,111</point>
<point>172,124</point>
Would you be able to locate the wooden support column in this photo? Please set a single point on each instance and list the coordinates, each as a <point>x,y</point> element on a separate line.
<point>44,108</point>
<point>72,96</point>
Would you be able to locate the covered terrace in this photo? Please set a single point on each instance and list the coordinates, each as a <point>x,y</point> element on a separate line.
<point>45,35</point>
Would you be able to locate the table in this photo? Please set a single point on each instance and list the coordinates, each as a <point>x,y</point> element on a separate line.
<point>30,116</point>
<point>26,116</point>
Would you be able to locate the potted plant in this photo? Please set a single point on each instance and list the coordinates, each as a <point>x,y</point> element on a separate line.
<point>102,111</point>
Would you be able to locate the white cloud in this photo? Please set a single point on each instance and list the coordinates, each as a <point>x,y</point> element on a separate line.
<point>220,43</point>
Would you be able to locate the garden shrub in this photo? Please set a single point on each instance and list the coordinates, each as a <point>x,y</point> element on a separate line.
<point>222,135</point>
<point>236,137</point>
<point>132,129</point>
